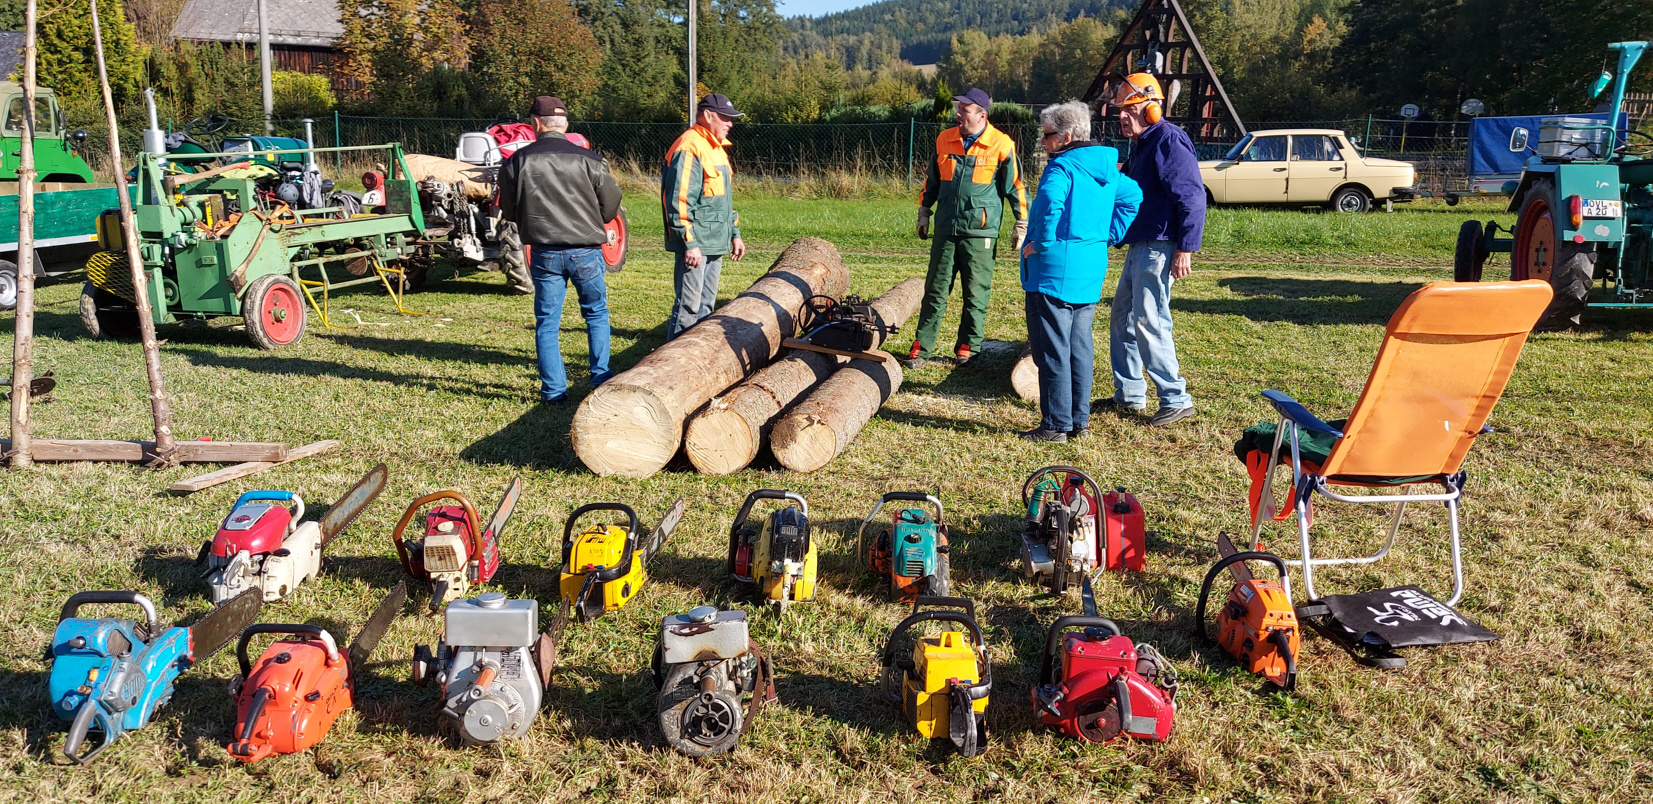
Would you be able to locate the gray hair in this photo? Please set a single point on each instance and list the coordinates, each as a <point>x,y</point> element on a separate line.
<point>1073,118</point>
<point>555,122</point>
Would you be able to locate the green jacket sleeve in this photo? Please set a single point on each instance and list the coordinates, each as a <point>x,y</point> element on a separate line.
<point>680,188</point>
<point>932,184</point>
<point>1010,186</point>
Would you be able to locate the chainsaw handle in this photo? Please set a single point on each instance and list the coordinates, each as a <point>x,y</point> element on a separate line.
<point>632,526</point>
<point>911,496</point>
<point>1032,479</point>
<point>1224,563</point>
<point>746,511</point>
<point>960,611</point>
<point>72,606</point>
<point>1060,629</point>
<point>273,496</point>
<point>282,628</point>
<point>418,504</point>
<point>90,713</point>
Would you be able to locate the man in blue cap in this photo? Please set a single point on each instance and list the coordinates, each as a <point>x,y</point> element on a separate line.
<point>696,196</point>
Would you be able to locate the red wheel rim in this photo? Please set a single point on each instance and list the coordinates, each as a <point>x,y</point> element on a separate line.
<point>281,314</point>
<point>1535,246</point>
<point>615,251</point>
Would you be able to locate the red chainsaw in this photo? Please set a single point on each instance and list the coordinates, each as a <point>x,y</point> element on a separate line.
<point>288,699</point>
<point>456,551</point>
<point>1258,625</point>
<point>1096,684</point>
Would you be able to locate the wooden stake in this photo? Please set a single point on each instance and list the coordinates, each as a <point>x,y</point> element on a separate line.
<point>164,445</point>
<point>22,356</point>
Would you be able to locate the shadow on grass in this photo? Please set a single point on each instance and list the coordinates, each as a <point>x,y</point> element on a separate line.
<point>285,366</point>
<point>1303,301</point>
<point>538,439</point>
<point>850,703</point>
<point>25,705</point>
<point>178,576</point>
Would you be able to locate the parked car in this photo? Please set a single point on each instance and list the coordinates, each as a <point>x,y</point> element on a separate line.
<point>1322,168</point>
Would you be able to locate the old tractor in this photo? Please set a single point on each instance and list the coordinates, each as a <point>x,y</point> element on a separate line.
<point>1585,206</point>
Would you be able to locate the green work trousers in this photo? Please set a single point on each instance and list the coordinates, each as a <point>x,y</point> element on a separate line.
<point>950,257</point>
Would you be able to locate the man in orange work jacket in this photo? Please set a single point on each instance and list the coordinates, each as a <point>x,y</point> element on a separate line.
<point>975,167</point>
<point>696,195</point>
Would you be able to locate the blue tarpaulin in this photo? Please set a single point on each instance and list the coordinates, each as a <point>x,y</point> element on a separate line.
<point>1489,141</point>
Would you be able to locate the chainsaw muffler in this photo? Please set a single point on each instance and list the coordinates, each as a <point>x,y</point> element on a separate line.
<point>491,686</point>
<point>704,665</point>
<point>942,685</point>
<point>1096,685</point>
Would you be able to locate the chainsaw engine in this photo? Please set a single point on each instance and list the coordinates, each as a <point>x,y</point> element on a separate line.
<point>1258,625</point>
<point>777,557</point>
<point>490,685</point>
<point>456,550</point>
<point>912,553</point>
<point>704,664</point>
<point>261,544</point>
<point>943,684</point>
<point>1095,684</point>
<point>1072,528</point>
<point>847,325</point>
<point>289,702</point>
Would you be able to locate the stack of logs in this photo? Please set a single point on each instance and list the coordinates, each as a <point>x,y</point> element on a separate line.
<point>703,391</point>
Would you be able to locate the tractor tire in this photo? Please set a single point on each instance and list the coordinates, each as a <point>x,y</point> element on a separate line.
<point>105,315</point>
<point>1540,253</point>
<point>8,284</point>
<point>415,272</point>
<point>1471,253</point>
<point>513,261</point>
<point>614,254</point>
<point>1351,199</point>
<point>274,311</point>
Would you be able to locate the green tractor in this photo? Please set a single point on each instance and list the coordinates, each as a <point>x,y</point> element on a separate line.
<point>1585,206</point>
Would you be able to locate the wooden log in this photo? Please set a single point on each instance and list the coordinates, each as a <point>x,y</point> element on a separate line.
<point>58,450</point>
<point>241,470</point>
<point>725,436</point>
<point>633,424</point>
<point>825,422</point>
<point>22,366</point>
<point>1024,376</point>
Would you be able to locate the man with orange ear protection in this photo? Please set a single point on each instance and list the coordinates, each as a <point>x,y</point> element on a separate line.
<point>1162,242</point>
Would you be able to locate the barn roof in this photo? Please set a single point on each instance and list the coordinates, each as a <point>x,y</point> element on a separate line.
<point>302,23</point>
<point>11,53</point>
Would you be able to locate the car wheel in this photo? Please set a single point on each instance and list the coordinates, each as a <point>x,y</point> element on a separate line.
<point>1352,200</point>
<point>8,284</point>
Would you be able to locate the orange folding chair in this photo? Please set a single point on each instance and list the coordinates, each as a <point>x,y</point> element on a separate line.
<point>1446,357</point>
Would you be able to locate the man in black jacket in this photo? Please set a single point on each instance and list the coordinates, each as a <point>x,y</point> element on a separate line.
<point>560,195</point>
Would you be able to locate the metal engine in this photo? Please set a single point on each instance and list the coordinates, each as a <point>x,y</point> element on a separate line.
<point>466,222</point>
<point>491,686</point>
<point>1096,684</point>
<point>704,665</point>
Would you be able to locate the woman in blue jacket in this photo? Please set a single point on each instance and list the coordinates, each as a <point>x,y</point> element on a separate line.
<point>1083,204</point>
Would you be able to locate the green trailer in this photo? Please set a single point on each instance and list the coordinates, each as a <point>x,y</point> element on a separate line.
<point>223,242</point>
<point>67,203</point>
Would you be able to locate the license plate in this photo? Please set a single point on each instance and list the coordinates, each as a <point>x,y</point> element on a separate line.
<point>1599,208</point>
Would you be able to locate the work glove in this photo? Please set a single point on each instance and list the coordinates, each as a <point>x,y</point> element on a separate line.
<point>1021,233</point>
<point>924,223</point>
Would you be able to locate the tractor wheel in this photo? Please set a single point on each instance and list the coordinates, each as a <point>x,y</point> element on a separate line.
<point>513,261</point>
<point>1471,253</point>
<point>415,272</point>
<point>1351,199</point>
<point>1451,199</point>
<point>1540,253</point>
<point>614,253</point>
<point>274,312</point>
<point>8,284</point>
<point>106,315</point>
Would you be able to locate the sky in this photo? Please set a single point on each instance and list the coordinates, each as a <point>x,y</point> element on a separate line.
<point>815,8</point>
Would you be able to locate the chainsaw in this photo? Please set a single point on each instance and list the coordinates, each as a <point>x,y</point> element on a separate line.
<point>1258,626</point>
<point>704,663</point>
<point>912,553</point>
<point>263,545</point>
<point>1095,684</point>
<point>491,687</point>
<point>603,567</point>
<point>943,685</point>
<point>843,325</point>
<point>777,557</point>
<point>1072,528</point>
<point>110,675</point>
<point>288,700</point>
<point>457,551</point>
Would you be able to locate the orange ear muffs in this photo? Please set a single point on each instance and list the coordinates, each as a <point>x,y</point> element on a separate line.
<point>1154,113</point>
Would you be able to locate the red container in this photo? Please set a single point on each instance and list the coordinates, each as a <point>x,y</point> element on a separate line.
<point>1127,541</point>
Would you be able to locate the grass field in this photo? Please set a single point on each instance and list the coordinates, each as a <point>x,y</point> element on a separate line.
<point>1557,519</point>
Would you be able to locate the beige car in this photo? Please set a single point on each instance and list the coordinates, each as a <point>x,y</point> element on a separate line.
<point>1322,168</point>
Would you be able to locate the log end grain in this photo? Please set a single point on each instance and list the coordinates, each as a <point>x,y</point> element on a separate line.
<point>804,443</point>
<point>720,441</point>
<point>626,430</point>
<point>1024,377</point>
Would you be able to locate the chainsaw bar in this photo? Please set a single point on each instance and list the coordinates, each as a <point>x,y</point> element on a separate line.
<point>353,503</point>
<point>507,506</point>
<point>545,648</point>
<point>224,623</point>
<point>1238,569</point>
<point>374,629</point>
<point>1087,596</point>
<point>663,531</point>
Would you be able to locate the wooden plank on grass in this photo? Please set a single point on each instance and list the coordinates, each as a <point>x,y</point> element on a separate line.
<point>228,451</point>
<point>238,471</point>
<point>60,450</point>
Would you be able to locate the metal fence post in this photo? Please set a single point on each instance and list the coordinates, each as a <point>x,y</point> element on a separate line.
<point>912,130</point>
<point>1366,144</point>
<point>338,142</point>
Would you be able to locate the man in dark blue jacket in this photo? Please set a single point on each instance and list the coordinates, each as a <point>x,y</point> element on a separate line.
<point>1162,241</point>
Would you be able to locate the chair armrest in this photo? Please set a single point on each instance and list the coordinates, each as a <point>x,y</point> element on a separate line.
<point>1293,410</point>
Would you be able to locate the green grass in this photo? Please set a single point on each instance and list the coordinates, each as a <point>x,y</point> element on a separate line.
<point>1557,522</point>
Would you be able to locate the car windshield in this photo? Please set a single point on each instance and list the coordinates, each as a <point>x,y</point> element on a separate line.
<point>1233,154</point>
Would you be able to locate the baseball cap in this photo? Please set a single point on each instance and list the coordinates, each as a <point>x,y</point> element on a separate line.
<point>977,96</point>
<point>546,105</point>
<point>719,103</point>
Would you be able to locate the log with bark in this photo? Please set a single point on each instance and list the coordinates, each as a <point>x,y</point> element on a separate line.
<point>822,426</point>
<point>1024,377</point>
<point>633,424</point>
<point>725,435</point>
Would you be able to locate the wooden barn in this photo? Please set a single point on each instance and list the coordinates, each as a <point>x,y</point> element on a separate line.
<point>304,34</point>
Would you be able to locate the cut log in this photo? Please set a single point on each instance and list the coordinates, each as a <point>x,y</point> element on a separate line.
<point>1024,377</point>
<point>725,435</point>
<point>633,424</point>
<point>821,427</point>
<point>247,469</point>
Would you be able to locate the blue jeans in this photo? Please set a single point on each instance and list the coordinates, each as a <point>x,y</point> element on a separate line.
<point>1140,330</point>
<point>1060,334</point>
<point>552,270</point>
<point>696,293</point>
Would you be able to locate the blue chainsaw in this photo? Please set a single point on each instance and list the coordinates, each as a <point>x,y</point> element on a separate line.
<point>110,675</point>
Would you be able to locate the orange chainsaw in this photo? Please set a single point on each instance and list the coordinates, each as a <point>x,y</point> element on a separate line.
<point>1258,625</point>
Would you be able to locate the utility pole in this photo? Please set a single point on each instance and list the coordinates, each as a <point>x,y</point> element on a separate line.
<point>694,59</point>
<point>264,67</point>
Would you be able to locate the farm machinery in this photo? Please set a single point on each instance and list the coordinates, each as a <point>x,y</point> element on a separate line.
<point>1585,210</point>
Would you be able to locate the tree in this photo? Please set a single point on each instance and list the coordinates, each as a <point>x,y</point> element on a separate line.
<point>642,69</point>
<point>1067,59</point>
<point>388,45</point>
<point>67,59</point>
<point>538,47</point>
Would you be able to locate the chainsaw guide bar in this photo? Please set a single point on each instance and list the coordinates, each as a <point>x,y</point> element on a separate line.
<point>353,503</point>
<point>222,624</point>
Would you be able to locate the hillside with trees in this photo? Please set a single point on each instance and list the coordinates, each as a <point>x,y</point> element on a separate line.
<point>920,31</point>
